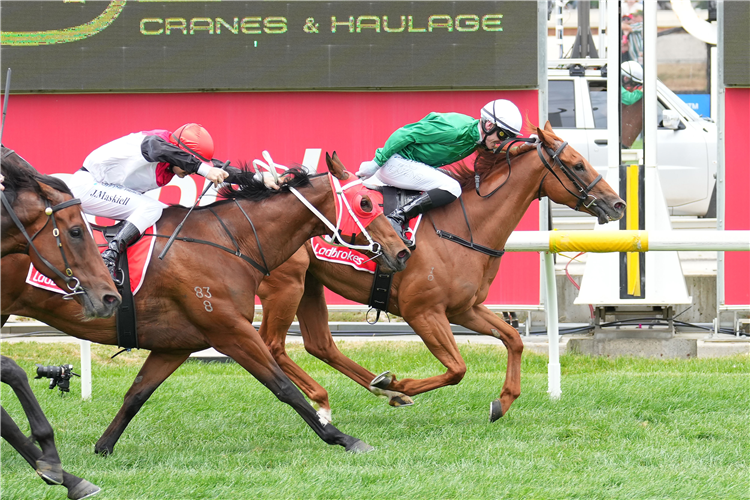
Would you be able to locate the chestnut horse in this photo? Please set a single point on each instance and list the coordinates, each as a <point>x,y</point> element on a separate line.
<point>41,206</point>
<point>444,282</point>
<point>201,296</point>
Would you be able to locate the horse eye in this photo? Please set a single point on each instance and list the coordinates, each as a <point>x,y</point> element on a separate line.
<point>366,205</point>
<point>579,167</point>
<point>75,232</point>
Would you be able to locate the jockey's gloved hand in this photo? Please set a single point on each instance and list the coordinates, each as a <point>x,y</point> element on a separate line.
<point>269,180</point>
<point>217,175</point>
<point>367,169</point>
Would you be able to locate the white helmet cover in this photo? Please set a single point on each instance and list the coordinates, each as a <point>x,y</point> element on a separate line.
<point>504,114</point>
<point>633,70</point>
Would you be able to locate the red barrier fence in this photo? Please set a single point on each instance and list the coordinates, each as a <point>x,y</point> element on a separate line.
<point>55,132</point>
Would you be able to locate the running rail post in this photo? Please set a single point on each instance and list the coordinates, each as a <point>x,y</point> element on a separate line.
<point>85,369</point>
<point>553,334</point>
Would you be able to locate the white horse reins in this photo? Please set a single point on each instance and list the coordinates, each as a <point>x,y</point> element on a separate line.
<point>373,246</point>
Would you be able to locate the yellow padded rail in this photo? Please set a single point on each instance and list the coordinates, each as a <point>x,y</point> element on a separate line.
<point>598,241</point>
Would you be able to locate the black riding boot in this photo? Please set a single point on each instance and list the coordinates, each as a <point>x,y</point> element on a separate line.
<point>419,205</point>
<point>127,234</point>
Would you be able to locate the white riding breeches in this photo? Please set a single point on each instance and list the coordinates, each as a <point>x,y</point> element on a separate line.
<point>115,202</point>
<point>409,174</point>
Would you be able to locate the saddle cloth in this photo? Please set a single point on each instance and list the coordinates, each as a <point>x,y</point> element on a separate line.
<point>139,255</point>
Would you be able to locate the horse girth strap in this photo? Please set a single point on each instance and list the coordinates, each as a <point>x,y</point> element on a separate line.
<point>468,244</point>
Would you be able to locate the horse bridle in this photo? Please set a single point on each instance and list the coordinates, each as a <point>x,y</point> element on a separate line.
<point>373,246</point>
<point>584,191</point>
<point>73,283</point>
<point>342,202</point>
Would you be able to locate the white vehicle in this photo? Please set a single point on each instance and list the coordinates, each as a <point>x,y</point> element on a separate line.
<point>686,142</point>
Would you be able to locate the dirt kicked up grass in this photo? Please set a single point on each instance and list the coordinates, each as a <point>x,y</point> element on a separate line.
<point>624,428</point>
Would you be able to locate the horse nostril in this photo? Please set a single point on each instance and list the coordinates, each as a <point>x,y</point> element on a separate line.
<point>620,207</point>
<point>111,299</point>
<point>404,254</point>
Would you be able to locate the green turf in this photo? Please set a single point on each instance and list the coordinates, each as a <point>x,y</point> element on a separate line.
<point>624,428</point>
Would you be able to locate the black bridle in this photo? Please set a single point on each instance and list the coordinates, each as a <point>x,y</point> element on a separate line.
<point>583,190</point>
<point>73,283</point>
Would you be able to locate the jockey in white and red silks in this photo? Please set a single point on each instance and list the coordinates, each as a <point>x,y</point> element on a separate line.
<point>115,176</point>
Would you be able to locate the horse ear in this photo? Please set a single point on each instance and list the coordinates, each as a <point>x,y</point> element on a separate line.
<point>548,127</point>
<point>336,168</point>
<point>53,195</point>
<point>540,133</point>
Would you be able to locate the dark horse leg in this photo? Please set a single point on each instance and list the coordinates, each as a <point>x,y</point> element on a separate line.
<point>78,488</point>
<point>246,347</point>
<point>48,464</point>
<point>158,367</point>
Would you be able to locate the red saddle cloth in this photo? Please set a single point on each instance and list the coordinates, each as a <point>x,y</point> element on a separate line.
<point>139,255</point>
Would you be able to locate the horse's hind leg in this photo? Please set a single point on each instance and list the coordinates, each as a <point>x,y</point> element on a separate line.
<point>243,344</point>
<point>78,488</point>
<point>158,367</point>
<point>482,320</point>
<point>48,465</point>
<point>313,320</point>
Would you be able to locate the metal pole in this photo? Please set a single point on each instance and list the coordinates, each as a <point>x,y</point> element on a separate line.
<point>553,333</point>
<point>85,369</point>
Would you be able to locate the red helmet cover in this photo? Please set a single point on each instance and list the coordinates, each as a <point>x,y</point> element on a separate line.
<point>194,139</point>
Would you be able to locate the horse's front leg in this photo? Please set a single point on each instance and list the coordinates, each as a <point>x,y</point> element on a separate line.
<point>240,341</point>
<point>78,488</point>
<point>312,314</point>
<point>435,330</point>
<point>158,367</point>
<point>482,320</point>
<point>280,294</point>
<point>48,465</point>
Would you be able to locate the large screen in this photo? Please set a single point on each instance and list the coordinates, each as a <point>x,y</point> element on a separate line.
<point>737,44</point>
<point>188,45</point>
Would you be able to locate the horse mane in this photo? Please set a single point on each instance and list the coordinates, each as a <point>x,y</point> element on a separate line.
<point>20,175</point>
<point>252,189</point>
<point>485,163</point>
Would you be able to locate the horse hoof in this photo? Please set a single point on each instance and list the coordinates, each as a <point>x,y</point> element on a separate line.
<point>400,400</point>
<point>82,490</point>
<point>52,473</point>
<point>496,410</point>
<point>360,446</point>
<point>382,381</point>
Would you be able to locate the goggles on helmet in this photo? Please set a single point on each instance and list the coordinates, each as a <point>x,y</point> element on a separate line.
<point>490,128</point>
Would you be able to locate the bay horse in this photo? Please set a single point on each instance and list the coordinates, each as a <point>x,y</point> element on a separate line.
<point>443,282</point>
<point>43,206</point>
<point>202,296</point>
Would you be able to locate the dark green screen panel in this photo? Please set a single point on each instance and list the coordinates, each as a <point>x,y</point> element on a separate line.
<point>737,43</point>
<point>126,46</point>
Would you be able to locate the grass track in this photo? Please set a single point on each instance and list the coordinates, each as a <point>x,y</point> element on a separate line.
<point>624,428</point>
